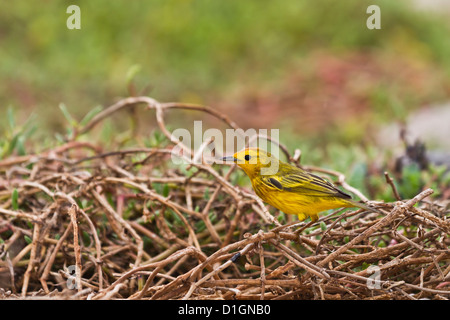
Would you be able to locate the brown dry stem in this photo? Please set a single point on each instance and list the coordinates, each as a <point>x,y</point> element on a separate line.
<point>137,228</point>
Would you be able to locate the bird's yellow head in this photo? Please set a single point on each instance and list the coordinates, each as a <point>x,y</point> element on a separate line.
<point>255,162</point>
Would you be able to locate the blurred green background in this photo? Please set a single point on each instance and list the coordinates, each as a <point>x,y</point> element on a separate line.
<point>310,68</point>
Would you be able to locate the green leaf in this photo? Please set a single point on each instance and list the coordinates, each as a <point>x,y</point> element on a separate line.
<point>28,240</point>
<point>21,146</point>
<point>200,226</point>
<point>157,187</point>
<point>412,181</point>
<point>30,126</point>
<point>11,122</point>
<point>67,115</point>
<point>177,220</point>
<point>14,199</point>
<point>59,137</point>
<point>166,190</point>
<point>86,238</point>
<point>206,195</point>
<point>13,143</point>
<point>91,114</point>
<point>323,226</point>
<point>132,72</point>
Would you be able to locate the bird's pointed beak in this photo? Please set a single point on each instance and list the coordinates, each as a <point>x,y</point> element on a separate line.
<point>229,159</point>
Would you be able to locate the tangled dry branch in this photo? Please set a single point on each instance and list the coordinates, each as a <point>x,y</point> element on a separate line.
<point>105,226</point>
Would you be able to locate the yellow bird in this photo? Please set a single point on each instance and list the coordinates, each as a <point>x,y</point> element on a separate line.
<point>289,188</point>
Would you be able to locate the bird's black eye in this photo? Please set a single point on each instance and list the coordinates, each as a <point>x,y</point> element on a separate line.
<point>247,157</point>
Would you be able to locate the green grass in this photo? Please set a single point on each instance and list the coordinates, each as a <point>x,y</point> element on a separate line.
<point>194,51</point>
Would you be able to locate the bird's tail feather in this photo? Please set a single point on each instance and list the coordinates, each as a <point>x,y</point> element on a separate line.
<point>364,206</point>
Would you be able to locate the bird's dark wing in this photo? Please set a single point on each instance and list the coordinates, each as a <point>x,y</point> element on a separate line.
<point>296,180</point>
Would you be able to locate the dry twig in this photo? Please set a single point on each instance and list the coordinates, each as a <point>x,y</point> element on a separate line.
<point>158,233</point>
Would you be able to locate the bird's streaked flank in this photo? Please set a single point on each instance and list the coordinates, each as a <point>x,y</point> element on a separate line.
<point>289,188</point>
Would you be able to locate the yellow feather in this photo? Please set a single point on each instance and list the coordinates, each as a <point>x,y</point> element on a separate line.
<point>289,188</point>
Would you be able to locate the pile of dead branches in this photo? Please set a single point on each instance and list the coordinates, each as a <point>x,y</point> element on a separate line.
<point>77,222</point>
